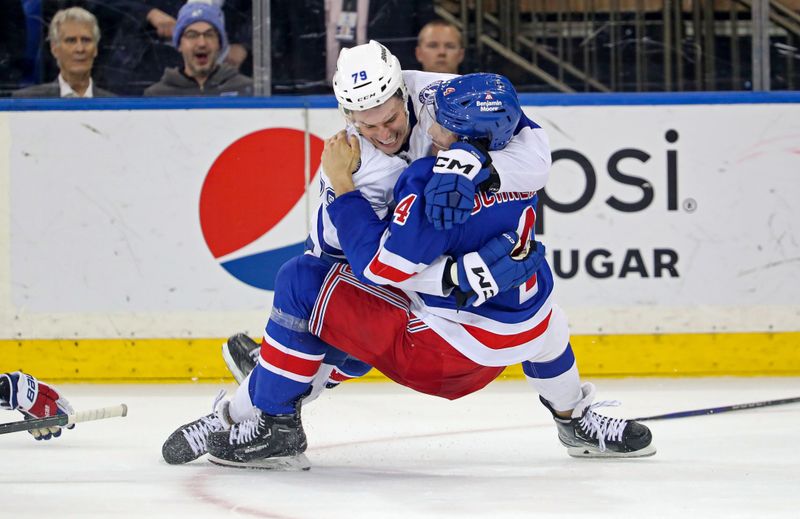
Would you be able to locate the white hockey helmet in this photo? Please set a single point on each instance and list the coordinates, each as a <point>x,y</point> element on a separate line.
<point>367,76</point>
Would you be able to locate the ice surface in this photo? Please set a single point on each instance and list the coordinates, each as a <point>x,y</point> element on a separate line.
<point>382,451</point>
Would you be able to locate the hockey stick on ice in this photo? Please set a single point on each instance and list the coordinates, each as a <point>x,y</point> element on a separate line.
<point>65,419</point>
<point>721,409</point>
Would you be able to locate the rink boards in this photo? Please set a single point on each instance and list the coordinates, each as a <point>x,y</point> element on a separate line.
<point>135,235</point>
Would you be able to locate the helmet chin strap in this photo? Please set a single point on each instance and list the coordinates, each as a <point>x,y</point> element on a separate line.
<point>482,143</point>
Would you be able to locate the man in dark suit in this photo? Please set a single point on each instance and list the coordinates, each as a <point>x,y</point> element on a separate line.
<point>74,34</point>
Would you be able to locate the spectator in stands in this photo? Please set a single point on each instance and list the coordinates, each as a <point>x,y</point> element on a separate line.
<point>137,43</point>
<point>439,47</point>
<point>200,37</point>
<point>74,35</point>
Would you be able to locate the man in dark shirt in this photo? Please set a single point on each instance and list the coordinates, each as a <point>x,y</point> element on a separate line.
<point>439,47</point>
<point>200,37</point>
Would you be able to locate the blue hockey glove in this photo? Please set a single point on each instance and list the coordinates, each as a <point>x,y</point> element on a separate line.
<point>450,193</point>
<point>492,269</point>
<point>34,399</point>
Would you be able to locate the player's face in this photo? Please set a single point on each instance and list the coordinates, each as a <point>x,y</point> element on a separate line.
<point>385,126</point>
<point>442,137</point>
<point>199,47</point>
<point>76,49</point>
<point>440,49</point>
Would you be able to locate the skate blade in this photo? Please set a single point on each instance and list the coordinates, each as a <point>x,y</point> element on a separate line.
<point>231,364</point>
<point>285,463</point>
<point>586,452</point>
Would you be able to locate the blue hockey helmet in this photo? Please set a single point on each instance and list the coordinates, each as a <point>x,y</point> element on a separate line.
<point>479,107</point>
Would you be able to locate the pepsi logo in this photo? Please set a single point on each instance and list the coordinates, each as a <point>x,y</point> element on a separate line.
<point>250,188</point>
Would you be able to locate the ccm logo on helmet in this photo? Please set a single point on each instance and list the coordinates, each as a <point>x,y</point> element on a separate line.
<point>453,165</point>
<point>360,99</point>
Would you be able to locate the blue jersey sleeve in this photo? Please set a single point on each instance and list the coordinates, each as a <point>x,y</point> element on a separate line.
<point>391,252</point>
<point>360,229</point>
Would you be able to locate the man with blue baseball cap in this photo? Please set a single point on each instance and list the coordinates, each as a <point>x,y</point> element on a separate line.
<point>200,38</point>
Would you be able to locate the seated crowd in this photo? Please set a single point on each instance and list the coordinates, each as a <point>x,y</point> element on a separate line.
<point>201,47</point>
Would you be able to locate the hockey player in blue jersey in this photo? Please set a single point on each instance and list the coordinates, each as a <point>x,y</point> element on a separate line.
<point>386,111</point>
<point>496,309</point>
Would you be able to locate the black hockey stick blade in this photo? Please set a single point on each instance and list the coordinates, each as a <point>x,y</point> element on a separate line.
<point>65,419</point>
<point>721,409</point>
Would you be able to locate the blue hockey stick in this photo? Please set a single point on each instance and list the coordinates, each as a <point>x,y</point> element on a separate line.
<point>721,409</point>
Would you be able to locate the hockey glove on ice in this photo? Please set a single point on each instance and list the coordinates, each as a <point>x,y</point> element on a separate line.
<point>34,399</point>
<point>492,269</point>
<point>450,193</point>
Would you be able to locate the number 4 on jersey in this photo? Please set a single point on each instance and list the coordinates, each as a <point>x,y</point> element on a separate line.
<point>403,209</point>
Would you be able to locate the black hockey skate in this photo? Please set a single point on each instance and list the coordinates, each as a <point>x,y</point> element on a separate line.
<point>592,435</point>
<point>263,442</point>
<point>190,440</point>
<point>241,355</point>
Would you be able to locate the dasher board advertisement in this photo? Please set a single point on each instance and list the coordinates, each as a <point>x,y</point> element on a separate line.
<point>168,223</point>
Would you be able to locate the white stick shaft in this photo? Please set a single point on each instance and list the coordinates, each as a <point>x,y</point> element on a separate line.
<point>98,414</point>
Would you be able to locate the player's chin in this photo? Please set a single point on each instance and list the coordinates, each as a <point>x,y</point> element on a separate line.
<point>389,149</point>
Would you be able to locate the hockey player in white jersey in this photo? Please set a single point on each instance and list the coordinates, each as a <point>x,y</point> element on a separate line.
<point>388,110</point>
<point>448,345</point>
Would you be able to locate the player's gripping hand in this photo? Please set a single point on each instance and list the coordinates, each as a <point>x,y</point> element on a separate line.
<point>497,267</point>
<point>341,158</point>
<point>35,399</point>
<point>450,193</point>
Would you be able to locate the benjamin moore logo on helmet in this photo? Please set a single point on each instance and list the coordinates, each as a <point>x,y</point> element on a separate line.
<point>489,104</point>
<point>252,186</point>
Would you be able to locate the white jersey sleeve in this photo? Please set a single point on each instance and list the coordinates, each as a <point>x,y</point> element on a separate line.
<point>524,164</point>
<point>375,179</point>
